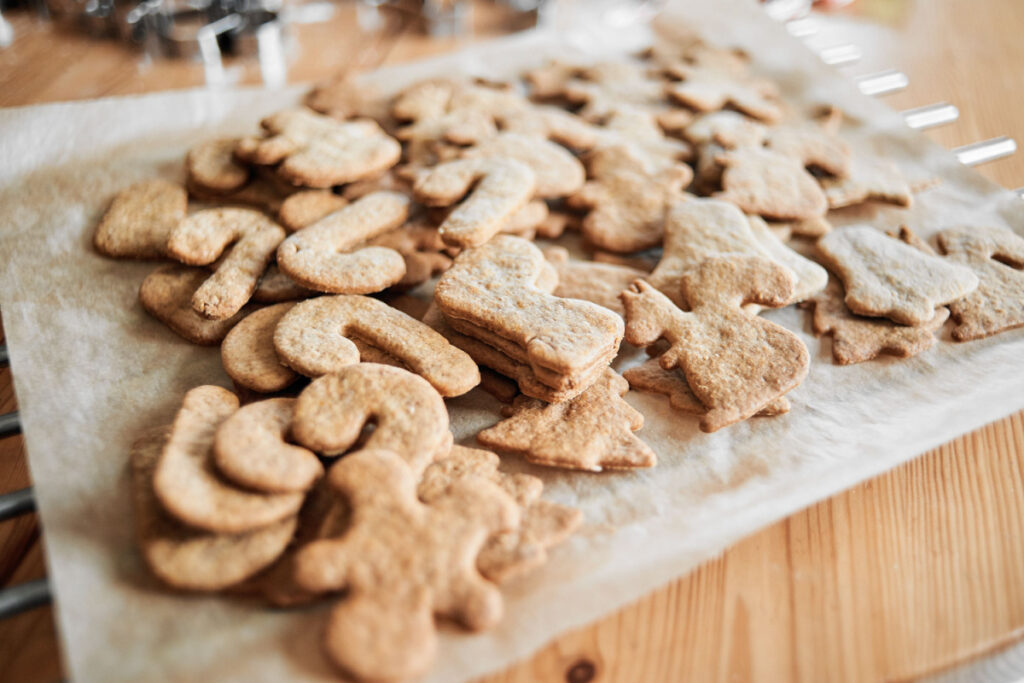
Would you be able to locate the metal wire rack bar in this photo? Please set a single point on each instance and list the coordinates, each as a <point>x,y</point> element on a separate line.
<point>938,114</point>
<point>16,503</point>
<point>23,597</point>
<point>986,151</point>
<point>883,82</point>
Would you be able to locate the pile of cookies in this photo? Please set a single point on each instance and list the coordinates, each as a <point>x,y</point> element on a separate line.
<point>664,200</point>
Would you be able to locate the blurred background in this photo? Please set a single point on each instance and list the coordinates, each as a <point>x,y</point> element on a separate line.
<point>248,41</point>
<point>54,50</point>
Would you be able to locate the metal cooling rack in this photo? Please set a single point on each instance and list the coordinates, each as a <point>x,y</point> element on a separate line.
<point>32,594</point>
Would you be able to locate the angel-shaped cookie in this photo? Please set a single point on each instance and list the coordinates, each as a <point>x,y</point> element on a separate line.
<point>996,256</point>
<point>735,362</point>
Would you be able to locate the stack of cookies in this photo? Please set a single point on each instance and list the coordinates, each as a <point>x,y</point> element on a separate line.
<point>558,346</point>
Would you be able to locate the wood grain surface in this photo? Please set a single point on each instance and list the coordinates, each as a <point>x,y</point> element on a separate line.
<point>906,574</point>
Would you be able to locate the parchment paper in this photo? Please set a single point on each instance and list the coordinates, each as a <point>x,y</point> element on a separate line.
<point>92,371</point>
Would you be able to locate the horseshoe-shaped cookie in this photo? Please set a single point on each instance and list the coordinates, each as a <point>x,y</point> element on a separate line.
<point>250,449</point>
<point>201,238</point>
<point>327,257</point>
<point>410,417</point>
<point>315,338</point>
<point>500,187</point>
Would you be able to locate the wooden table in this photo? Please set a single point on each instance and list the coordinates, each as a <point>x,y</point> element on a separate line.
<point>908,573</point>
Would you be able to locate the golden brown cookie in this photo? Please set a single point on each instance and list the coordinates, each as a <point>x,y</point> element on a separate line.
<point>556,223</point>
<point>868,179</point>
<point>188,484</point>
<point>640,130</point>
<point>193,559</point>
<point>421,246</point>
<point>524,222</point>
<point>599,283</point>
<point>489,357</point>
<point>551,123</point>
<point>651,377</point>
<point>729,129</point>
<point>884,277</point>
<point>409,416</point>
<point>395,180</point>
<point>548,81</point>
<point>497,385</point>
<point>307,207</point>
<point>996,256</point>
<point>202,237</point>
<point>453,111</point>
<point>856,339</point>
<point>445,111</point>
<point>248,354</point>
<point>345,97</point>
<point>543,524</point>
<point>167,293</point>
<point>767,183</point>
<point>140,219</point>
<point>699,228</point>
<point>328,256</point>
<point>324,514</point>
<point>554,379</point>
<point>812,228</point>
<point>276,287</point>
<point>707,173</point>
<point>673,121</point>
<point>497,187</point>
<point>319,151</point>
<point>264,191</point>
<point>315,338</point>
<point>626,200</point>
<point>692,50</point>
<point>212,166</point>
<point>735,362</point>
<point>251,450</point>
<point>557,172</point>
<point>400,562</point>
<point>707,90</point>
<point>494,287</point>
<point>463,462</point>
<point>593,431</point>
<point>606,86</point>
<point>812,145</point>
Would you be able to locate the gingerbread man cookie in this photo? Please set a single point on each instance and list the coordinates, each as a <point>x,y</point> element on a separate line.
<point>401,562</point>
<point>626,200</point>
<point>543,523</point>
<point>319,151</point>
